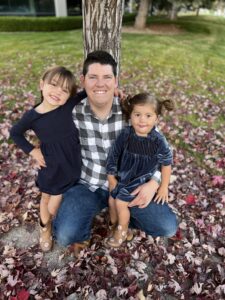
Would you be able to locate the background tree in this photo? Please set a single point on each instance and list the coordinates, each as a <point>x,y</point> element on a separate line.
<point>141,18</point>
<point>102,22</point>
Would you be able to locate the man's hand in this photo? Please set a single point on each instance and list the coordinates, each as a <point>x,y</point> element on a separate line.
<point>162,195</point>
<point>119,93</point>
<point>38,157</point>
<point>145,193</point>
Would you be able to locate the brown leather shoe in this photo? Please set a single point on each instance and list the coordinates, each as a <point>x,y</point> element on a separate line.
<point>46,241</point>
<point>78,247</point>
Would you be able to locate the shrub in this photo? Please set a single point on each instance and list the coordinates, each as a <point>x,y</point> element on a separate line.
<point>47,23</point>
<point>40,23</point>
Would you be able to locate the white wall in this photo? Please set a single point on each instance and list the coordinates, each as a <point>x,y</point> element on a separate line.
<point>60,8</point>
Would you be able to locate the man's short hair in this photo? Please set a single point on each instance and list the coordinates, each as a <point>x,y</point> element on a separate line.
<point>100,57</point>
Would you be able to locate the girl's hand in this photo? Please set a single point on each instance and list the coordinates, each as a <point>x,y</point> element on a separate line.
<point>38,157</point>
<point>145,193</point>
<point>162,195</point>
<point>112,182</point>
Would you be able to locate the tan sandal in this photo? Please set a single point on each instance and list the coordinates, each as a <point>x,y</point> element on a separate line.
<point>120,235</point>
<point>46,236</point>
<point>113,227</point>
<point>78,247</point>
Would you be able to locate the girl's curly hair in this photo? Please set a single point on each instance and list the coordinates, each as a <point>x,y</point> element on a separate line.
<point>146,98</point>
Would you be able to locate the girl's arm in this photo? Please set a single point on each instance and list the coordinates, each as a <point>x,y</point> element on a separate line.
<point>165,159</point>
<point>162,194</point>
<point>17,134</point>
<point>145,192</point>
<point>75,99</point>
<point>115,152</point>
<point>112,182</point>
<point>18,130</point>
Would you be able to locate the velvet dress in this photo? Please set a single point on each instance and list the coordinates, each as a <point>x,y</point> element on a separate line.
<point>134,159</point>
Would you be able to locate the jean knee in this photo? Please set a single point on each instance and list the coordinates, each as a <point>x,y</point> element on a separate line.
<point>64,235</point>
<point>169,229</point>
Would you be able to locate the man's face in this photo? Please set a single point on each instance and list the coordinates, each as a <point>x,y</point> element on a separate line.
<point>100,84</point>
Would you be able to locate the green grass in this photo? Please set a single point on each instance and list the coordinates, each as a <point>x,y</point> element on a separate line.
<point>196,54</point>
<point>191,63</point>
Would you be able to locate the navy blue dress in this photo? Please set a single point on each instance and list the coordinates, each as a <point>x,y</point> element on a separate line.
<point>60,145</point>
<point>134,159</point>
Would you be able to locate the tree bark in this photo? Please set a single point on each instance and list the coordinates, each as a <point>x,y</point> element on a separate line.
<point>141,18</point>
<point>173,12</point>
<point>102,22</point>
<point>197,11</point>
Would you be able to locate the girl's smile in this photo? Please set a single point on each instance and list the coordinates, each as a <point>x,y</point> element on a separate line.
<point>54,93</point>
<point>143,119</point>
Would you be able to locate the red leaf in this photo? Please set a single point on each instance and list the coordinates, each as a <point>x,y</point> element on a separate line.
<point>22,295</point>
<point>178,234</point>
<point>190,199</point>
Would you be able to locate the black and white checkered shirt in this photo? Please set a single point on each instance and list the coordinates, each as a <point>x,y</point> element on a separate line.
<point>96,137</point>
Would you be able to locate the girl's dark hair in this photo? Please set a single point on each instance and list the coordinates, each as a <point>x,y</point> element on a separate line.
<point>63,75</point>
<point>145,98</point>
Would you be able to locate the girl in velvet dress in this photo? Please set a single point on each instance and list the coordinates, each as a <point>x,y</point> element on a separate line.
<point>138,152</point>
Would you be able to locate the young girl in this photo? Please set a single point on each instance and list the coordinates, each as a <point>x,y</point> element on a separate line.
<point>58,156</point>
<point>137,153</point>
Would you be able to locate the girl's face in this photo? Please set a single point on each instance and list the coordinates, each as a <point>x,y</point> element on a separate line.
<point>55,93</point>
<point>143,119</point>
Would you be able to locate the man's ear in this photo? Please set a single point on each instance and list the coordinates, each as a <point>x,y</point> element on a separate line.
<point>82,80</point>
<point>116,83</point>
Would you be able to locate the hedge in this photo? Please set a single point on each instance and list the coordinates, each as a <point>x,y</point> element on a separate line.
<point>46,23</point>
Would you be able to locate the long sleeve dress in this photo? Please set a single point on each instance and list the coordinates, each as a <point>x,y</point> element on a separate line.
<point>59,143</point>
<point>134,159</point>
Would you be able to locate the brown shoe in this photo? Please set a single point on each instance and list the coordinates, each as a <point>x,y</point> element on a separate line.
<point>112,229</point>
<point>46,236</point>
<point>121,234</point>
<point>78,247</point>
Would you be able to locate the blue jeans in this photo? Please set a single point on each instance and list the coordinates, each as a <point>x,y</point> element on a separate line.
<point>74,219</point>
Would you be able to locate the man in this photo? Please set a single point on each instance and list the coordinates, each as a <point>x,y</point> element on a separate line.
<point>99,120</point>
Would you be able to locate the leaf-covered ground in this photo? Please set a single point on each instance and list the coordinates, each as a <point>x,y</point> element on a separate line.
<point>191,266</point>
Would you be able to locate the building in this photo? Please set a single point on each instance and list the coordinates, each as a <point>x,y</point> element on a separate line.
<point>59,8</point>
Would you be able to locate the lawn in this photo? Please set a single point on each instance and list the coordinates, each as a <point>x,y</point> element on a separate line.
<point>183,60</point>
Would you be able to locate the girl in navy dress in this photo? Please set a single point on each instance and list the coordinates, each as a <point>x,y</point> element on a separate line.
<point>59,154</point>
<point>138,152</point>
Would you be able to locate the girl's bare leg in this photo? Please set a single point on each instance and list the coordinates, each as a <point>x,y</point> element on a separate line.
<point>123,213</point>
<point>112,210</point>
<point>53,204</point>
<point>121,233</point>
<point>45,224</point>
<point>44,213</point>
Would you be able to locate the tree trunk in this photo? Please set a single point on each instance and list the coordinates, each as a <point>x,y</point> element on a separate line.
<point>141,18</point>
<point>102,22</point>
<point>197,11</point>
<point>173,12</point>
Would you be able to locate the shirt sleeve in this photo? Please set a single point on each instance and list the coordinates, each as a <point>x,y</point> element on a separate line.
<point>115,153</point>
<point>164,154</point>
<point>74,100</point>
<point>18,130</point>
